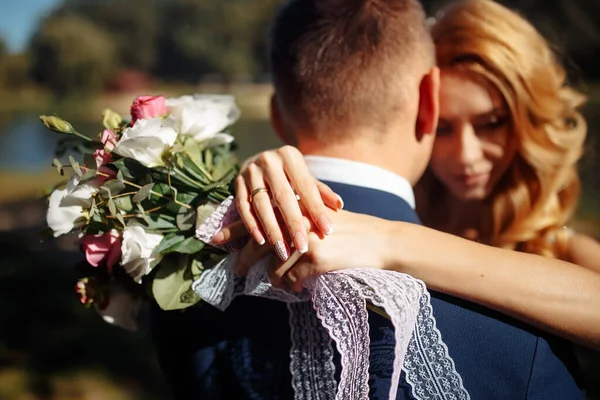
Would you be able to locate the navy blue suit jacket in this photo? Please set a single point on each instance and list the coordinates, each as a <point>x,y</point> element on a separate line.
<point>243,353</point>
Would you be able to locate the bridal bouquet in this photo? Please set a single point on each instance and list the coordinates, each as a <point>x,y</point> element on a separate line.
<point>137,191</point>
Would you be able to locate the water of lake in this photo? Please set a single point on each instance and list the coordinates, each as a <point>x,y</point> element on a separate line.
<point>27,146</point>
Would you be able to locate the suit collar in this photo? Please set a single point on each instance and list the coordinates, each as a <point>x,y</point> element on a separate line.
<point>360,174</point>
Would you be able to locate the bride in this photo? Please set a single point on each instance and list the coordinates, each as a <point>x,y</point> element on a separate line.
<point>497,197</point>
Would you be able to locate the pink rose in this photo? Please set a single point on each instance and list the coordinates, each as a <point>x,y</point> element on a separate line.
<point>145,107</point>
<point>102,157</point>
<point>102,248</point>
<point>109,139</point>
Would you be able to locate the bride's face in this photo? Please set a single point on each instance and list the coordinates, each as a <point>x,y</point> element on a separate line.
<point>474,145</point>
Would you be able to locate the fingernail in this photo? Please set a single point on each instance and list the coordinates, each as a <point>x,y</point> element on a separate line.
<point>258,236</point>
<point>301,242</point>
<point>324,225</point>
<point>218,238</point>
<point>281,250</point>
<point>340,204</point>
<point>290,277</point>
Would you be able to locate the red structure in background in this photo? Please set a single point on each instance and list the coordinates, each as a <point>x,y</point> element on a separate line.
<point>128,80</point>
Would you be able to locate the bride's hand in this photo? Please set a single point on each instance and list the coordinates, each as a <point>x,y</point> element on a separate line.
<point>284,175</point>
<point>360,241</point>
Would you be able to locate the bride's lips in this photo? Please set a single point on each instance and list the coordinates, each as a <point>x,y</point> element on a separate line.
<point>472,179</point>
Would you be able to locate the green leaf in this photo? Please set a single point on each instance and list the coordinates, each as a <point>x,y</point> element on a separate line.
<point>59,167</point>
<point>208,159</point>
<point>124,203</point>
<point>89,174</point>
<point>224,167</point>
<point>93,208</point>
<point>121,219</point>
<point>113,187</point>
<point>158,223</point>
<point>178,243</point>
<point>111,207</point>
<point>143,193</point>
<point>97,218</point>
<point>169,241</point>
<point>172,284</point>
<point>75,166</point>
<point>196,171</point>
<point>190,245</point>
<point>130,168</point>
<point>185,219</point>
<point>224,181</point>
<point>120,177</point>
<point>193,151</point>
<point>179,160</point>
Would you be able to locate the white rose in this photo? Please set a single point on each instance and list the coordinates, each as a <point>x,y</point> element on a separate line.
<point>66,206</point>
<point>147,140</point>
<point>205,117</point>
<point>122,309</point>
<point>138,255</point>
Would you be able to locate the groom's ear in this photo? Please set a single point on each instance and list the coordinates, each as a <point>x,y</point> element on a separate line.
<point>429,106</point>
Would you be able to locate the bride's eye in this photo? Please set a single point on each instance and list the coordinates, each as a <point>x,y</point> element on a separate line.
<point>444,129</point>
<point>491,124</point>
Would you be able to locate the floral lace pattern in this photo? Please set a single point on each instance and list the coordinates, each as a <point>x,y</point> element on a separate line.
<point>311,354</point>
<point>430,371</point>
<point>334,307</point>
<point>343,313</point>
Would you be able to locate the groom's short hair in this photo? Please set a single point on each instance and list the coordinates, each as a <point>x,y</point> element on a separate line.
<point>343,63</point>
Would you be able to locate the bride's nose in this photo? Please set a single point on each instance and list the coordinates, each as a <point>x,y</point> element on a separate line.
<point>467,145</point>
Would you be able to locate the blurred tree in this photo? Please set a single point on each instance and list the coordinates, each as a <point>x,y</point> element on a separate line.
<point>214,37</point>
<point>3,49</point>
<point>71,56</point>
<point>261,36</point>
<point>14,71</point>
<point>133,26</point>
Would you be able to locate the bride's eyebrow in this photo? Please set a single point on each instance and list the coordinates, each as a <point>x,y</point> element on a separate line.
<point>496,111</point>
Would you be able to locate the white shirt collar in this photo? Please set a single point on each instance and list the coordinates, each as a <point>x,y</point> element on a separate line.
<point>360,174</point>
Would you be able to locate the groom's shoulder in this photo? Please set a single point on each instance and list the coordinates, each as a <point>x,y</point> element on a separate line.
<point>375,202</point>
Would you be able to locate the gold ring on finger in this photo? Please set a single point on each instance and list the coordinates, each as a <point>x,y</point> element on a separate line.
<point>257,191</point>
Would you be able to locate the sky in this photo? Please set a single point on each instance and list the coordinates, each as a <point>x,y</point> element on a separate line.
<point>19,20</point>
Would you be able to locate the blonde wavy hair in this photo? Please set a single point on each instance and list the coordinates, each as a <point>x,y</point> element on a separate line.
<point>539,192</point>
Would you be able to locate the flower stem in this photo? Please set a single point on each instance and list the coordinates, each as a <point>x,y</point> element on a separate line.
<point>137,215</point>
<point>152,191</point>
<point>185,179</point>
<point>81,136</point>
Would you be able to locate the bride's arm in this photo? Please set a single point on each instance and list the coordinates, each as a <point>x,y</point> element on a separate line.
<point>585,251</point>
<point>554,295</point>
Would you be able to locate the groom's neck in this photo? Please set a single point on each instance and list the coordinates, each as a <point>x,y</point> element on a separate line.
<point>390,155</point>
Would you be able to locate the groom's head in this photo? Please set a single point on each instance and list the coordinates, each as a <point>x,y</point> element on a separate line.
<point>355,73</point>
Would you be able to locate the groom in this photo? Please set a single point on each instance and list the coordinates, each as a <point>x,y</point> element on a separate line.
<point>356,90</point>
